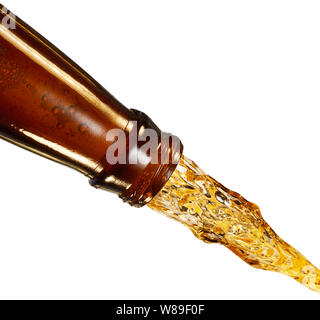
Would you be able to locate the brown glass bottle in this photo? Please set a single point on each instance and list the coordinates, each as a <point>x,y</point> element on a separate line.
<point>50,106</point>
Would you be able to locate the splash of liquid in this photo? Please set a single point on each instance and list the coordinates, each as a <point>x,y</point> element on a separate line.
<point>217,215</point>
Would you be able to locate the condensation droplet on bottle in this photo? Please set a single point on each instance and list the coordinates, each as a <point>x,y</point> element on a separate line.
<point>82,128</point>
<point>55,110</point>
<point>71,109</point>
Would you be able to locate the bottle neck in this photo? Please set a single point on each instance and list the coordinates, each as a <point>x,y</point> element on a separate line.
<point>148,165</point>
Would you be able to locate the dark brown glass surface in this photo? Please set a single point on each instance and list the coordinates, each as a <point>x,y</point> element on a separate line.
<point>50,106</point>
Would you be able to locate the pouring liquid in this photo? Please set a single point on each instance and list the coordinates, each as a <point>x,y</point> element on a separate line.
<point>217,215</point>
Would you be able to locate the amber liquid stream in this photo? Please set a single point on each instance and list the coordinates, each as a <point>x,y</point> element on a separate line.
<point>217,215</point>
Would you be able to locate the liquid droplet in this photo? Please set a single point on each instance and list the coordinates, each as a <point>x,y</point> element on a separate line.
<point>83,128</point>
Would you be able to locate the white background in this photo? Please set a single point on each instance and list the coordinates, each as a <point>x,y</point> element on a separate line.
<point>238,82</point>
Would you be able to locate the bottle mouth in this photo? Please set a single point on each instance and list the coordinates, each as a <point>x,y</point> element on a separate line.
<point>145,160</point>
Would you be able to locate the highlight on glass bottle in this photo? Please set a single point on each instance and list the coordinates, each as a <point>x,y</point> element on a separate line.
<point>52,107</point>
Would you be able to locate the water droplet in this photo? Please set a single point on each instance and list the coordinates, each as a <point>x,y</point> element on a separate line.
<point>71,109</point>
<point>55,110</point>
<point>83,128</point>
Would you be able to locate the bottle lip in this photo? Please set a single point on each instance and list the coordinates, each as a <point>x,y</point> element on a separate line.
<point>152,180</point>
<point>137,184</point>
